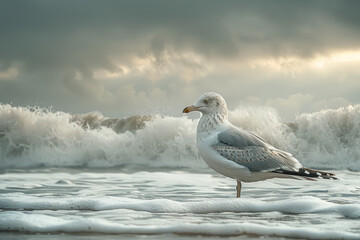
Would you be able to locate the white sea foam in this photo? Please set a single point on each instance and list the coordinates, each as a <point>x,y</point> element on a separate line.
<point>33,137</point>
<point>304,205</point>
<point>39,223</point>
<point>37,137</point>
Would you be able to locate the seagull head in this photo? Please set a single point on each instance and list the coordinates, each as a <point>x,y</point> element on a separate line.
<point>209,103</point>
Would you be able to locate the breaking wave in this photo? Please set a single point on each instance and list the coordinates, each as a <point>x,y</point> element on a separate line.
<point>37,137</point>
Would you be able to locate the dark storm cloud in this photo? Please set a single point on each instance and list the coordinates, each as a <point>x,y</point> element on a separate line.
<point>58,44</point>
<point>83,33</point>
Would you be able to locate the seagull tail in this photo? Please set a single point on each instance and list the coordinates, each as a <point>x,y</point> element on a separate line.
<point>308,173</point>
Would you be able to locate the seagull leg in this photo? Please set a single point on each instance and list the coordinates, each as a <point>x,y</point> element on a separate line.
<point>238,189</point>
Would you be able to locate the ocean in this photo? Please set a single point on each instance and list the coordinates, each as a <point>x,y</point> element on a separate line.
<point>65,176</point>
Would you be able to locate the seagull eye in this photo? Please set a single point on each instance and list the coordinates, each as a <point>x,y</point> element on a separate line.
<point>206,101</point>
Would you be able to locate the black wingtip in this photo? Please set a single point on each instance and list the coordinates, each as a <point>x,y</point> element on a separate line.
<point>308,173</point>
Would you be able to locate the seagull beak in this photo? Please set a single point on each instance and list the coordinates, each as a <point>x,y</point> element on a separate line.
<point>190,109</point>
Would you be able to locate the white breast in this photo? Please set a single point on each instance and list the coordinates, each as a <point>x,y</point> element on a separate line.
<point>217,162</point>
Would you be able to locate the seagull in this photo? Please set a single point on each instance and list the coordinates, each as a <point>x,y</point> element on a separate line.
<point>240,154</point>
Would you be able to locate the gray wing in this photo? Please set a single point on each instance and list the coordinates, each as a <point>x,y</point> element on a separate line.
<point>240,138</point>
<point>253,152</point>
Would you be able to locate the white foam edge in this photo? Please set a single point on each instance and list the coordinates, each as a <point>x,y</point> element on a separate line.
<point>302,205</point>
<point>37,223</point>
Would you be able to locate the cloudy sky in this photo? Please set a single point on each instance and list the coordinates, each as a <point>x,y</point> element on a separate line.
<point>130,57</point>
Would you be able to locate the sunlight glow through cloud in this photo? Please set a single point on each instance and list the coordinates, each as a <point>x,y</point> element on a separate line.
<point>337,58</point>
<point>10,73</point>
<point>187,65</point>
<point>290,65</point>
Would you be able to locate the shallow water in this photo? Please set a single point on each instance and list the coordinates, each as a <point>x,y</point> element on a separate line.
<point>68,203</point>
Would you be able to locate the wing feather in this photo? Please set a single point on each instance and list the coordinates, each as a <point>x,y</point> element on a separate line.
<point>240,138</point>
<point>253,152</point>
